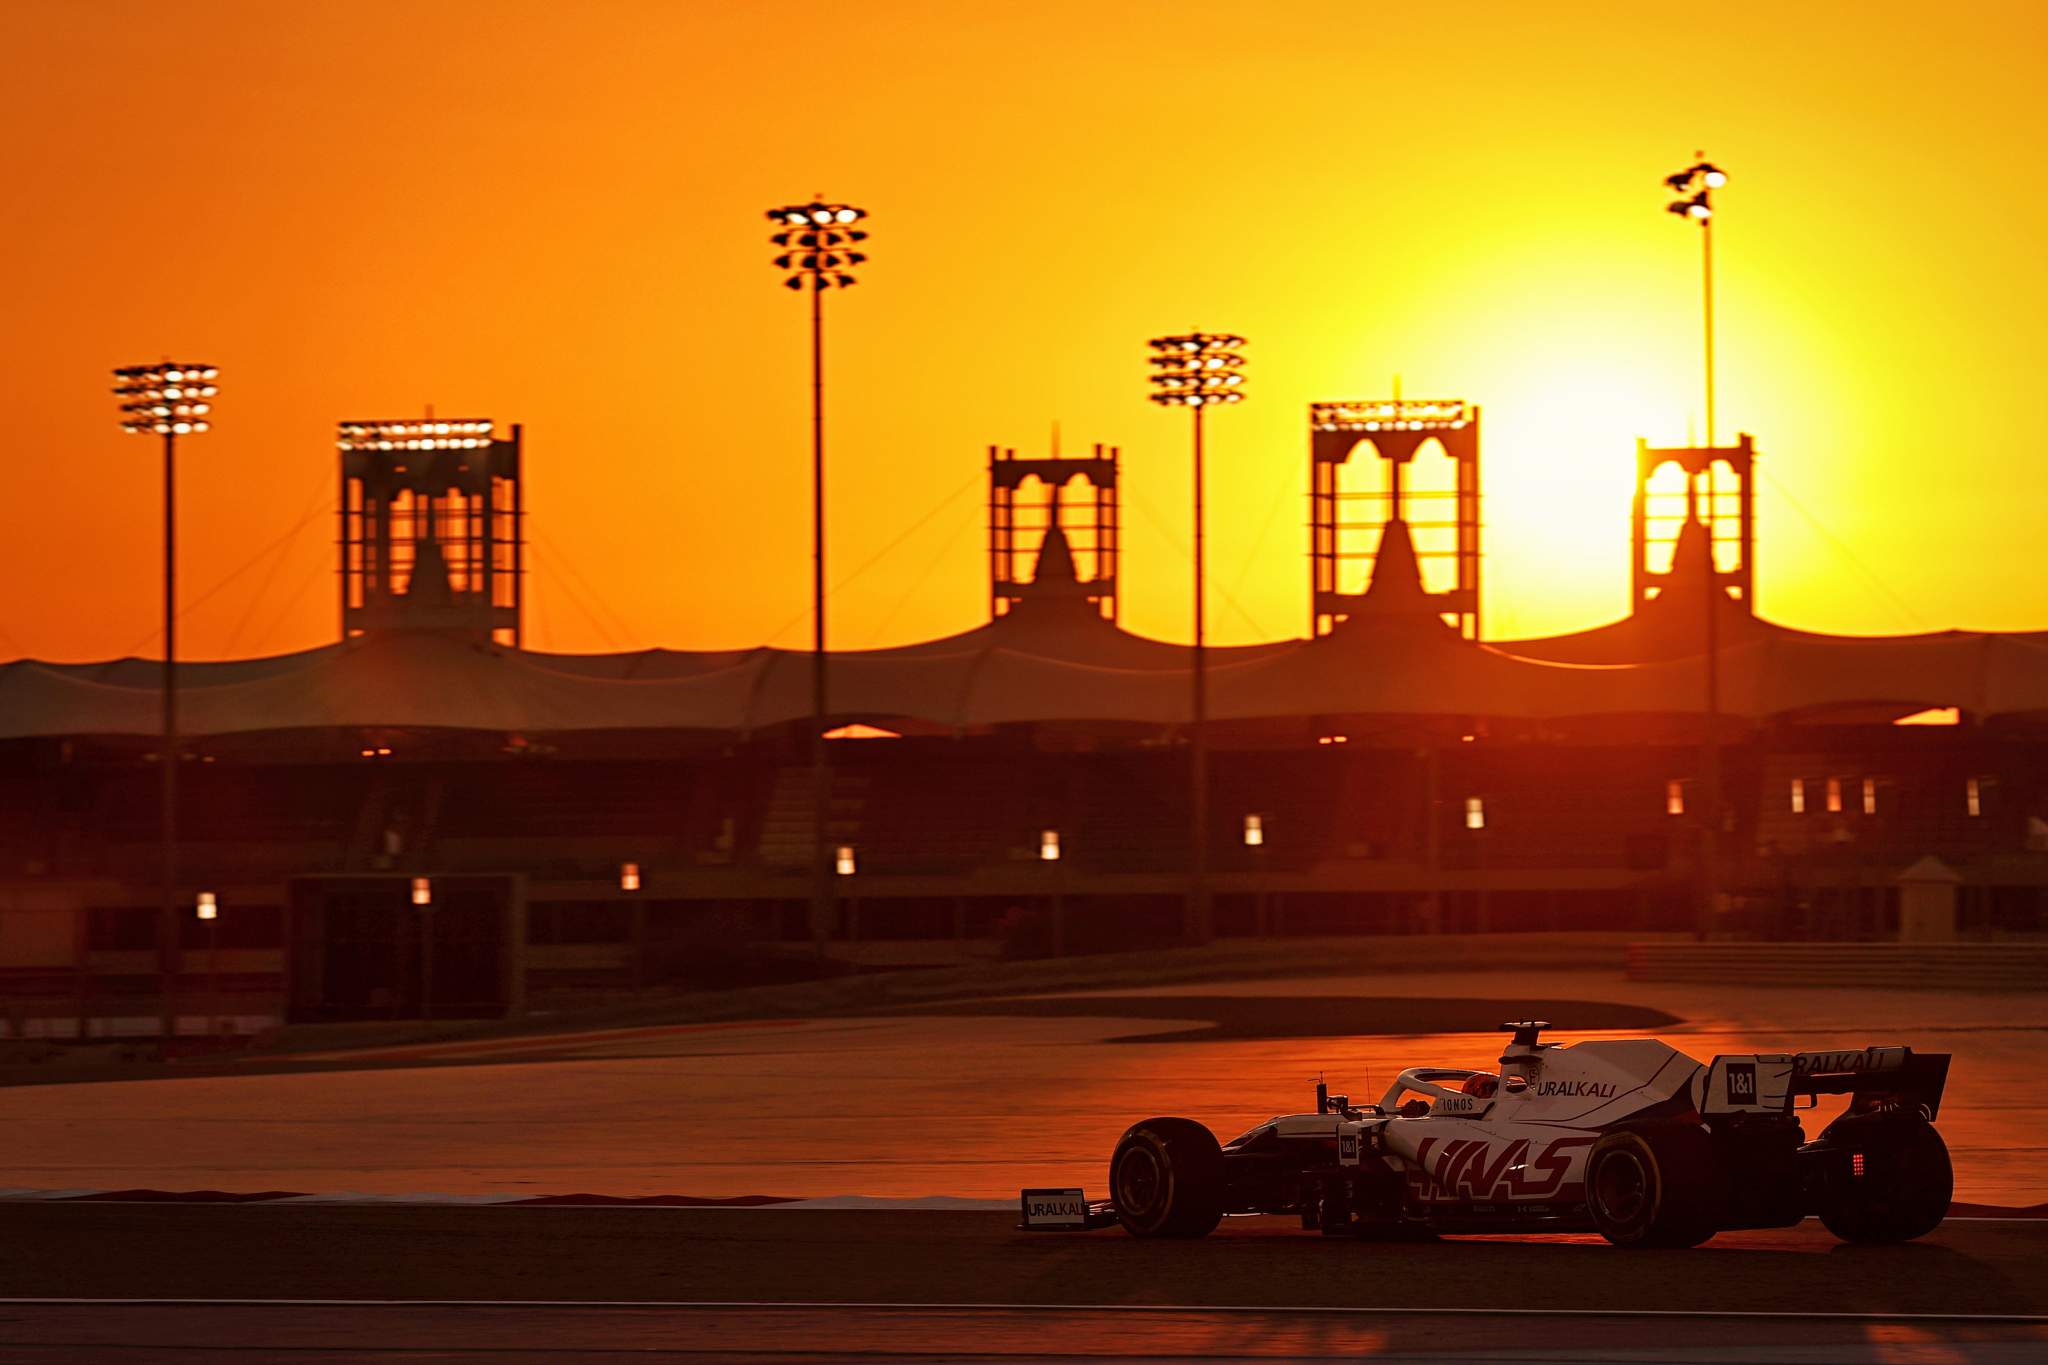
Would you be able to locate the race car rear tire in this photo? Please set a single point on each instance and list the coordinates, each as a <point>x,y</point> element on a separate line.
<point>1652,1187</point>
<point>1898,1190</point>
<point>1166,1179</point>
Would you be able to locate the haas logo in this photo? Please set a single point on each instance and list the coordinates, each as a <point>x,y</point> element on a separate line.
<point>1742,1082</point>
<point>1471,1168</point>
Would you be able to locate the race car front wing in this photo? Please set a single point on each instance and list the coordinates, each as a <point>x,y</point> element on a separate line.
<point>1063,1210</point>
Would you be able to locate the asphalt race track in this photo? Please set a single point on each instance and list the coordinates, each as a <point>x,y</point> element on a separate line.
<point>965,1105</point>
<point>912,1106</point>
<point>145,1283</point>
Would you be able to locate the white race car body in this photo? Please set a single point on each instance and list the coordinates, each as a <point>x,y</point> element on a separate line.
<point>1627,1136</point>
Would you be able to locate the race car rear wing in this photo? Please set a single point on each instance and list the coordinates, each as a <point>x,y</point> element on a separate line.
<point>1876,1078</point>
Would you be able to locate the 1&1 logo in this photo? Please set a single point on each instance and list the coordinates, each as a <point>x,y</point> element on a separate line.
<point>1742,1083</point>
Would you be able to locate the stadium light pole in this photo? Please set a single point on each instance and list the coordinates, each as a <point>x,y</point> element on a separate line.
<point>168,400</point>
<point>820,250</point>
<point>1695,186</point>
<point>1198,371</point>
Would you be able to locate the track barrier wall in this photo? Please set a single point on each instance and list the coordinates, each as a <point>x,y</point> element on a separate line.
<point>1921,966</point>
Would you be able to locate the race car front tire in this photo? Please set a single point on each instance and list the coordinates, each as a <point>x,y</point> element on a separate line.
<point>1652,1187</point>
<point>1166,1179</point>
<point>1895,1184</point>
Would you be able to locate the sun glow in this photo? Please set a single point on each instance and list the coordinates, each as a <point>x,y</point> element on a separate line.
<point>1559,478</point>
<point>1508,244</point>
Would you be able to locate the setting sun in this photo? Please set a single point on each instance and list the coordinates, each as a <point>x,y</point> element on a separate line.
<point>580,250</point>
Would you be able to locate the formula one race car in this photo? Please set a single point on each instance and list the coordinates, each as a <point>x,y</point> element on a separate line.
<point>1626,1137</point>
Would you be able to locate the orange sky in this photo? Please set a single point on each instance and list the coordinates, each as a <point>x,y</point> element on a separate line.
<point>551,214</point>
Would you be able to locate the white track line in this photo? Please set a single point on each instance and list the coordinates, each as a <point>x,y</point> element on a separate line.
<point>943,1204</point>
<point>757,1305</point>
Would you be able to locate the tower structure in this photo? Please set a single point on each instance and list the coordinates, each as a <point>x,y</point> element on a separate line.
<point>1352,526</point>
<point>1717,502</point>
<point>431,528</point>
<point>1027,501</point>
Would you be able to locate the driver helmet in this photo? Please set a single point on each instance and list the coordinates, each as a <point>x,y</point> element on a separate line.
<point>1481,1085</point>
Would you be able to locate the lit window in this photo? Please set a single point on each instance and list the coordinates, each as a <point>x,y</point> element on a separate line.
<point>422,891</point>
<point>1870,796</point>
<point>629,876</point>
<point>1834,796</point>
<point>1973,796</point>
<point>1049,845</point>
<point>844,862</point>
<point>1475,812</point>
<point>1799,796</point>
<point>1254,830</point>
<point>1674,797</point>
<point>208,906</point>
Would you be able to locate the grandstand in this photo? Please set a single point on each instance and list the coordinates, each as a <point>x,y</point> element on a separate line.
<point>605,823</point>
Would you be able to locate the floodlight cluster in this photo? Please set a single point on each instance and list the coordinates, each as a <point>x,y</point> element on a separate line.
<point>1695,186</point>
<point>415,434</point>
<point>1198,370</point>
<point>167,399</point>
<point>1437,414</point>
<point>818,241</point>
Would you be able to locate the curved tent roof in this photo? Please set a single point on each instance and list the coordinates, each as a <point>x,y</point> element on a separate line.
<point>1383,667</point>
<point>1672,625</point>
<point>1052,658</point>
<point>132,671</point>
<point>1769,669</point>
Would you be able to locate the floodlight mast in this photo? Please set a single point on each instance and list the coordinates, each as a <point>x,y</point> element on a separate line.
<point>1198,371</point>
<point>820,251</point>
<point>168,400</point>
<point>1695,186</point>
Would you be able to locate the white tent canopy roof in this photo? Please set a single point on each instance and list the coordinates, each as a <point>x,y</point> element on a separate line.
<point>1009,672</point>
